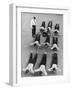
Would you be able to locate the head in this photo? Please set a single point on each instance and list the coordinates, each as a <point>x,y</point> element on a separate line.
<point>34,17</point>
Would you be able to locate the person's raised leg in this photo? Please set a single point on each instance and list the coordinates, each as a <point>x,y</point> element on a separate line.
<point>51,69</point>
<point>43,70</point>
<point>31,68</point>
<point>55,46</point>
<point>25,69</point>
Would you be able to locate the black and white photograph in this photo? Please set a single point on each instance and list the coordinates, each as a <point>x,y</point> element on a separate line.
<point>41,44</point>
<point>36,44</point>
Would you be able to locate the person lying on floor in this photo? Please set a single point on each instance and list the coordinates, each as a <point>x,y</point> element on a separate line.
<point>54,63</point>
<point>31,63</point>
<point>42,66</point>
<point>49,26</point>
<point>36,40</point>
<point>55,43</point>
<point>47,41</point>
<point>47,34</point>
<point>48,31</point>
<point>42,27</point>
<point>56,29</point>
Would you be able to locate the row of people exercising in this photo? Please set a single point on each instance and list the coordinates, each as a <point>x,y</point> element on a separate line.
<point>42,66</point>
<point>43,27</point>
<point>53,44</point>
<point>49,28</point>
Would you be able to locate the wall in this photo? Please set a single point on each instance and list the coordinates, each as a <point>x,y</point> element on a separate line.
<point>4,41</point>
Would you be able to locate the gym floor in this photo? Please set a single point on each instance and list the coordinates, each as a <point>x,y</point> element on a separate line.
<point>26,40</point>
